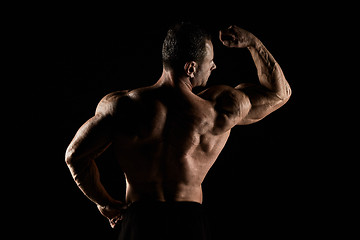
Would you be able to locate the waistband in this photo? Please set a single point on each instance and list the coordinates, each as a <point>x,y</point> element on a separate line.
<point>165,204</point>
<point>165,208</point>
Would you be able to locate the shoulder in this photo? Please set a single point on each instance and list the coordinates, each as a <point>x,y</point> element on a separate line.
<point>225,98</point>
<point>214,92</point>
<point>231,104</point>
<point>110,104</point>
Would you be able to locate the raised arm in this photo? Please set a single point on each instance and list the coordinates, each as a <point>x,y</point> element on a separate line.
<point>273,90</point>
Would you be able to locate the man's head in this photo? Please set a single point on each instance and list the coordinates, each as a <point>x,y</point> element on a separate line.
<point>187,50</point>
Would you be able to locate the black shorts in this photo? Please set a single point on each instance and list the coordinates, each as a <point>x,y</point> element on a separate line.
<point>164,220</point>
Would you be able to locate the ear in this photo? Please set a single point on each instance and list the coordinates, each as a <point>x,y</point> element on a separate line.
<point>190,69</point>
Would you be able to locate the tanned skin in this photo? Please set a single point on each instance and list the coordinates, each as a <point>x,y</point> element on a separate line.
<point>165,137</point>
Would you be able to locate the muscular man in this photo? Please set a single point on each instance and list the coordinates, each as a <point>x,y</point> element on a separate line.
<point>166,138</point>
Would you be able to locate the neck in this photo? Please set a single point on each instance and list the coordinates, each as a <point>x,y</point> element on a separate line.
<point>168,78</point>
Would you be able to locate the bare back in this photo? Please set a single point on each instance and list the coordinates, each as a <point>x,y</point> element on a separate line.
<point>164,136</point>
<point>166,140</point>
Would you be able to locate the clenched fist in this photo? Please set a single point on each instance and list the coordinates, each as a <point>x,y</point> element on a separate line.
<point>236,37</point>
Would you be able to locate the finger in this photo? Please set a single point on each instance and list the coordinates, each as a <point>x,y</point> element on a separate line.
<point>226,39</point>
<point>230,30</point>
<point>116,221</point>
<point>226,43</point>
<point>112,223</point>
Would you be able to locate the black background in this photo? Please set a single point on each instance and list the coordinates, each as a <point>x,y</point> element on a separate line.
<point>271,179</point>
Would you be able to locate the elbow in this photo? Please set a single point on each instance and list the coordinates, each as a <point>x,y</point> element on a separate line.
<point>288,90</point>
<point>281,98</point>
<point>69,156</point>
<point>285,94</point>
<point>71,162</point>
<point>288,93</point>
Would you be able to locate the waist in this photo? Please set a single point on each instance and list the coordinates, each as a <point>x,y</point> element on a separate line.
<point>165,204</point>
<point>169,193</point>
<point>164,207</point>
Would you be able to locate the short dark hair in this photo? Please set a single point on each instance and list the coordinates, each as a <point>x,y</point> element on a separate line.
<point>184,42</point>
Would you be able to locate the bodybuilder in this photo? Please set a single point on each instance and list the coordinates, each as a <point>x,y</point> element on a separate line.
<point>166,138</point>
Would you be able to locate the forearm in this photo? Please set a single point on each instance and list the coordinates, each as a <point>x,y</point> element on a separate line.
<point>91,140</point>
<point>273,90</point>
<point>87,177</point>
<point>269,71</point>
